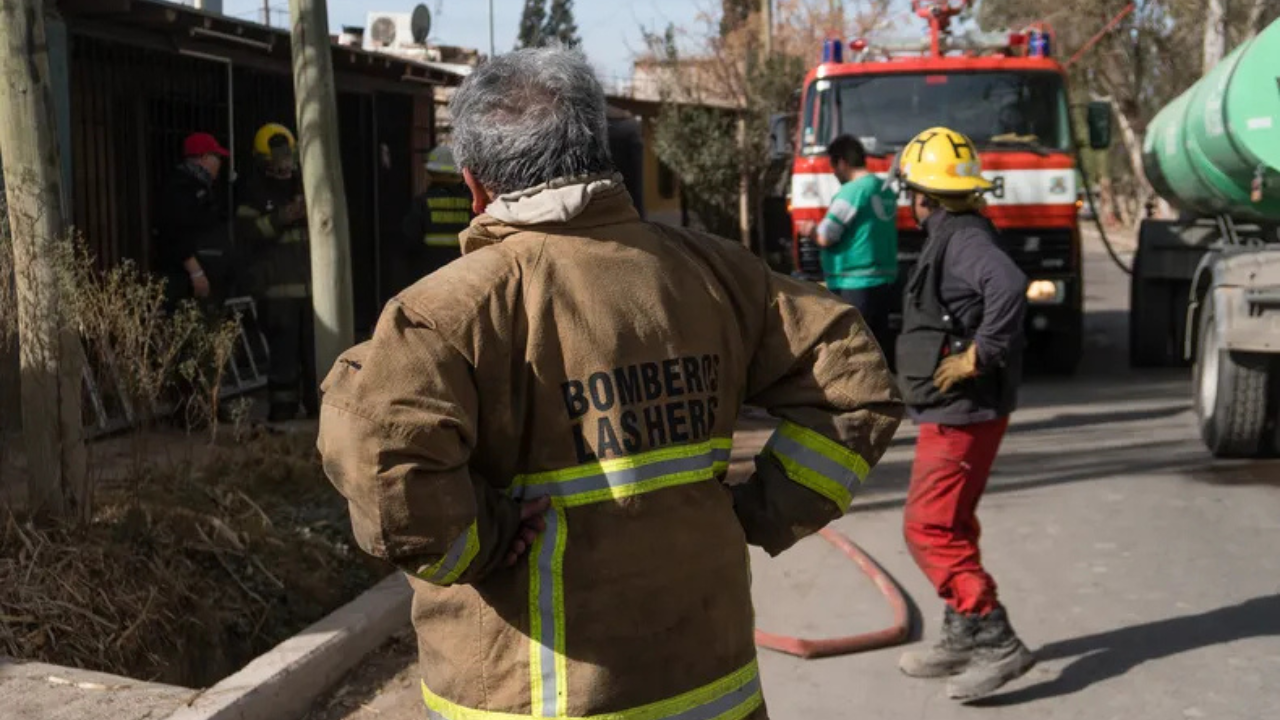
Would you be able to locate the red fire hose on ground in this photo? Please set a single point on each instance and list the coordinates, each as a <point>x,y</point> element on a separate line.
<point>826,647</point>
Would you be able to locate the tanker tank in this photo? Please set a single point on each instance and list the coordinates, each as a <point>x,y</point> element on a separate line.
<point>1215,150</point>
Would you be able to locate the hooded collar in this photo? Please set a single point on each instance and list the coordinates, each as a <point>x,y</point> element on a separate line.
<point>558,206</point>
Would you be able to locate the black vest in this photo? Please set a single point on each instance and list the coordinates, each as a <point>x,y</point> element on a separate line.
<point>930,332</point>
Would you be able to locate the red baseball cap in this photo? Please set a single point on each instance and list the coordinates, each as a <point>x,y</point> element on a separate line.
<point>198,144</point>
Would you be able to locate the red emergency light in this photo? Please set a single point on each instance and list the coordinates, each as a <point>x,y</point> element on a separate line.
<point>858,45</point>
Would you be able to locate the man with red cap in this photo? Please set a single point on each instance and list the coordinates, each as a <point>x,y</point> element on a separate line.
<point>191,234</point>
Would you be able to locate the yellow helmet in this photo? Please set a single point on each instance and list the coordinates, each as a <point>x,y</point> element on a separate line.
<point>440,161</point>
<point>268,138</point>
<point>941,161</point>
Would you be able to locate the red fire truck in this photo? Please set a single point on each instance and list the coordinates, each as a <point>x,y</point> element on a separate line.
<point>1009,96</point>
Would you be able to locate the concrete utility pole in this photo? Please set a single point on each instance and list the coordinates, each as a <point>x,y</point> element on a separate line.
<point>322,181</point>
<point>49,347</point>
<point>1215,33</point>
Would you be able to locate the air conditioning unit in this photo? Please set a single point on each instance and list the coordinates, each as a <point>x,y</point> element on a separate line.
<point>388,31</point>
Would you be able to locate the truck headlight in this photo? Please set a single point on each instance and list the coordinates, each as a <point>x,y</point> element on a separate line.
<point>1046,292</point>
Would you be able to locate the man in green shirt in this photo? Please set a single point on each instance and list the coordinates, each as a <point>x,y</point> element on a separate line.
<point>859,238</point>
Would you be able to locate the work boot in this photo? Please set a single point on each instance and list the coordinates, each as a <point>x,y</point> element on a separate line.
<point>949,655</point>
<point>997,656</point>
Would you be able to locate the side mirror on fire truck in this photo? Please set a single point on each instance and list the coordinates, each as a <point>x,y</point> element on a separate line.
<point>781,134</point>
<point>1099,121</point>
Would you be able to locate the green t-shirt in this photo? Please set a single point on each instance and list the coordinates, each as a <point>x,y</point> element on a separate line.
<point>864,216</point>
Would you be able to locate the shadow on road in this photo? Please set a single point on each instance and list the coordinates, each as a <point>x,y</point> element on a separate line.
<point>1113,653</point>
<point>1133,460</point>
<point>1075,420</point>
<point>1067,421</point>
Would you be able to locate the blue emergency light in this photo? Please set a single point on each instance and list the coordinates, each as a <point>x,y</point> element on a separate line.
<point>1038,44</point>
<point>832,51</point>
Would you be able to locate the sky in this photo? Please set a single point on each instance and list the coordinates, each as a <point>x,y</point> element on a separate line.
<point>610,30</point>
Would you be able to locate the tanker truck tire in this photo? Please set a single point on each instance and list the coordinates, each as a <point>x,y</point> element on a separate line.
<point>1230,394</point>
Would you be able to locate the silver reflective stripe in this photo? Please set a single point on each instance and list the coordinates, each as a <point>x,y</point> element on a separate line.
<point>814,460</point>
<point>547,609</point>
<point>455,561</point>
<point>830,229</point>
<point>842,211</point>
<point>722,704</point>
<point>613,479</point>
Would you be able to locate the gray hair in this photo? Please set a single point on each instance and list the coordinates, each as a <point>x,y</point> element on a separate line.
<point>530,117</point>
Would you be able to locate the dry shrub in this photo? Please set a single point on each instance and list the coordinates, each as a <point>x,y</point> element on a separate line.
<point>184,577</point>
<point>161,359</point>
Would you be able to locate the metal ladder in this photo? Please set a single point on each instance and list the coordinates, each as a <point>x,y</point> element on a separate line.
<point>109,407</point>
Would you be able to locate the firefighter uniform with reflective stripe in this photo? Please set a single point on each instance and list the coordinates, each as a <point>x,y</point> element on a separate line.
<point>432,228</point>
<point>579,354</point>
<point>281,271</point>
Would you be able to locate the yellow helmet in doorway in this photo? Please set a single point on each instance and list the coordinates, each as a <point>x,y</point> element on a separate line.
<point>440,162</point>
<point>270,137</point>
<point>941,161</point>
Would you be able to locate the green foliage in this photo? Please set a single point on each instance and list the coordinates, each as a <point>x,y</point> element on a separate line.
<point>701,143</point>
<point>538,28</point>
<point>560,26</point>
<point>532,21</point>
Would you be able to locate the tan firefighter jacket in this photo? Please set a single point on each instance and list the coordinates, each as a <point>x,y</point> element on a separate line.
<point>578,353</point>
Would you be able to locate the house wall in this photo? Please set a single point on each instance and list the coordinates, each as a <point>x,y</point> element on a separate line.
<point>132,104</point>
<point>661,187</point>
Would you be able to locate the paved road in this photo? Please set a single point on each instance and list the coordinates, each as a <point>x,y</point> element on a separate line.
<point>1143,573</point>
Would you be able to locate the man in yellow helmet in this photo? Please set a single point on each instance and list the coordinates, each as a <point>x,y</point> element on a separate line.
<point>272,221</point>
<point>438,217</point>
<point>959,362</point>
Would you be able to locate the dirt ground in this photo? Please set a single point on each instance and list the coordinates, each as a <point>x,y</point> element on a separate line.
<point>199,556</point>
<point>384,686</point>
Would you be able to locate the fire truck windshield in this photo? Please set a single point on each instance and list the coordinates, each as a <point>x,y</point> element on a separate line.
<point>1026,110</point>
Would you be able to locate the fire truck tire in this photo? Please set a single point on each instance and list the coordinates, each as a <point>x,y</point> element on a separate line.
<point>1231,394</point>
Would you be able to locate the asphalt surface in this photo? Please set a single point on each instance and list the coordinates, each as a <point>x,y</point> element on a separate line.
<point>1142,572</point>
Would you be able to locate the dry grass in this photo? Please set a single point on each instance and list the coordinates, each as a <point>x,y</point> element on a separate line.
<point>187,571</point>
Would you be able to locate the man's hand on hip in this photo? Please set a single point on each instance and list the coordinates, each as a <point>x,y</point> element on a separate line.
<point>956,368</point>
<point>531,524</point>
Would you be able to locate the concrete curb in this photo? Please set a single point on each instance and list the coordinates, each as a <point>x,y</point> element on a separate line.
<point>282,683</point>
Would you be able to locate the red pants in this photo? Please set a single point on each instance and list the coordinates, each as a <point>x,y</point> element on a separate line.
<point>947,479</point>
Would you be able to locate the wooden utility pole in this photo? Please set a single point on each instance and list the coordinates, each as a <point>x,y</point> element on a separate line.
<point>322,181</point>
<point>266,12</point>
<point>49,348</point>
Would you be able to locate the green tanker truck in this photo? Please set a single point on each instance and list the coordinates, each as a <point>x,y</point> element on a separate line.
<point>1206,287</point>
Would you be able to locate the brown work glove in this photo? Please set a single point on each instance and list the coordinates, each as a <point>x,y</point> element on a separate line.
<point>956,368</point>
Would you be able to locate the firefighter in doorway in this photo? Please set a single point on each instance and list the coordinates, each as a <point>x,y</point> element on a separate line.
<point>272,220</point>
<point>959,362</point>
<point>438,216</point>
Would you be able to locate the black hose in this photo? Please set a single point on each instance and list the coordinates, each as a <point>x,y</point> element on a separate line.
<point>1097,217</point>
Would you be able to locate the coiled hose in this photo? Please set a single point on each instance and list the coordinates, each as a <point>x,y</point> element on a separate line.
<point>895,634</point>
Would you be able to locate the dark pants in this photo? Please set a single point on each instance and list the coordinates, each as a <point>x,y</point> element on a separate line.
<point>948,478</point>
<point>291,375</point>
<point>875,304</point>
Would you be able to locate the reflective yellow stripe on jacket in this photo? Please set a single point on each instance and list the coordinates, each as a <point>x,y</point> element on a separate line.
<point>455,561</point>
<point>601,481</point>
<point>818,462</point>
<point>732,697</point>
<point>628,476</point>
